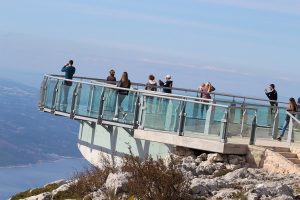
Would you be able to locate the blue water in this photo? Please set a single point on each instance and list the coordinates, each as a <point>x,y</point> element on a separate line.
<point>18,179</point>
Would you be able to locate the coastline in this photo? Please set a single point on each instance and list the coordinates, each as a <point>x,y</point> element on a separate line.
<point>41,162</point>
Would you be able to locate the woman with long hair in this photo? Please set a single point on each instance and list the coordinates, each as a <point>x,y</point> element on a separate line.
<point>121,94</point>
<point>292,107</point>
<point>205,89</point>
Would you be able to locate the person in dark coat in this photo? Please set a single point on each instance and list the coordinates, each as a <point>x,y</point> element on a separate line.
<point>167,86</point>
<point>272,95</point>
<point>111,78</point>
<point>69,70</point>
<point>121,95</point>
<point>151,84</point>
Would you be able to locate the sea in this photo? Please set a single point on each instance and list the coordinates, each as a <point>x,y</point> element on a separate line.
<point>20,178</point>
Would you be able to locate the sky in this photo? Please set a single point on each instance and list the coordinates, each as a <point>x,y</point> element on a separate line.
<point>240,46</point>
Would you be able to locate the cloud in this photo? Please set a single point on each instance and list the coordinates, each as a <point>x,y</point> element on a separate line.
<point>196,67</point>
<point>288,79</point>
<point>279,6</point>
<point>226,70</point>
<point>121,14</point>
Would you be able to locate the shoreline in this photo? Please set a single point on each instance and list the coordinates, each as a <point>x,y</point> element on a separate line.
<point>40,162</point>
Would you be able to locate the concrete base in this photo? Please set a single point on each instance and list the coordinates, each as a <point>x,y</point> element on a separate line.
<point>98,142</point>
<point>192,142</point>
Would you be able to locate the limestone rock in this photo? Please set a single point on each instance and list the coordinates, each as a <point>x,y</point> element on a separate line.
<point>214,157</point>
<point>206,186</point>
<point>58,182</point>
<point>117,182</point>
<point>63,187</point>
<point>227,194</point>
<point>207,168</point>
<point>236,160</point>
<point>43,196</point>
<point>99,195</point>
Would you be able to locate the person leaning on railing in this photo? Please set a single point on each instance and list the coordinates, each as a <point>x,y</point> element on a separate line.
<point>292,107</point>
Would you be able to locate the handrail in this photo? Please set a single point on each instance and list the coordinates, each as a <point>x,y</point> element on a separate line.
<point>292,116</point>
<point>93,82</point>
<point>157,94</point>
<point>187,90</point>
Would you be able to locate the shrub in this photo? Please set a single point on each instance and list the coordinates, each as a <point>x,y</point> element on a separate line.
<point>34,192</point>
<point>153,180</point>
<point>85,182</point>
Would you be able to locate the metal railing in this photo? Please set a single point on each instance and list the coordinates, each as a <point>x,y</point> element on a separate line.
<point>94,100</point>
<point>100,103</point>
<point>292,123</point>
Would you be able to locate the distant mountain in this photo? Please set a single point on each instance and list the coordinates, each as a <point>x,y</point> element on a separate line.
<point>28,135</point>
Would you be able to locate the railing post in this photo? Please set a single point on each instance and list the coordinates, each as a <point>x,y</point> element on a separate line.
<point>290,137</point>
<point>43,89</point>
<point>209,119</point>
<point>101,106</point>
<point>91,96</point>
<point>231,116</point>
<point>223,130</point>
<point>54,97</point>
<point>74,100</point>
<point>244,122</point>
<point>141,116</point>
<point>253,130</point>
<point>182,115</point>
<point>275,125</point>
<point>136,111</point>
<point>241,112</point>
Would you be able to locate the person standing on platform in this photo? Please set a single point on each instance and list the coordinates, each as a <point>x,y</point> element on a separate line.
<point>205,89</point>
<point>298,108</point>
<point>151,84</point>
<point>272,95</point>
<point>110,95</point>
<point>292,107</point>
<point>111,78</point>
<point>121,95</point>
<point>69,70</point>
<point>167,86</point>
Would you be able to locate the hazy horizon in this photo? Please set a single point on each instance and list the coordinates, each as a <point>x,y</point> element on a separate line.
<point>240,46</point>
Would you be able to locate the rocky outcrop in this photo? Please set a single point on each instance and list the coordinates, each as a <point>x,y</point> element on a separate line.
<point>117,182</point>
<point>212,176</point>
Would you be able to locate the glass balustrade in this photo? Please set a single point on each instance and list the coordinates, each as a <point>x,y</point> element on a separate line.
<point>162,112</point>
<point>65,96</point>
<point>50,93</point>
<point>88,100</point>
<point>119,106</point>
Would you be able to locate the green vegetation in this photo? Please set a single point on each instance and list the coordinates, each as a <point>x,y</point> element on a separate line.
<point>85,183</point>
<point>152,179</point>
<point>34,192</point>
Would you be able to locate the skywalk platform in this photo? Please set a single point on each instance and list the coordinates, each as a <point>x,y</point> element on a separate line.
<point>228,125</point>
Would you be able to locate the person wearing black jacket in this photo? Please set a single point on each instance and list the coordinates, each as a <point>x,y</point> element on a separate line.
<point>121,94</point>
<point>167,86</point>
<point>272,95</point>
<point>111,78</point>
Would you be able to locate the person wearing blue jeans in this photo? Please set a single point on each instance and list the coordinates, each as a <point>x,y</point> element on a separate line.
<point>292,107</point>
<point>121,95</point>
<point>69,70</point>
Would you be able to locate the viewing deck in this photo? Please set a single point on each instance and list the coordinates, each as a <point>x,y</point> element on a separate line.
<point>225,124</point>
